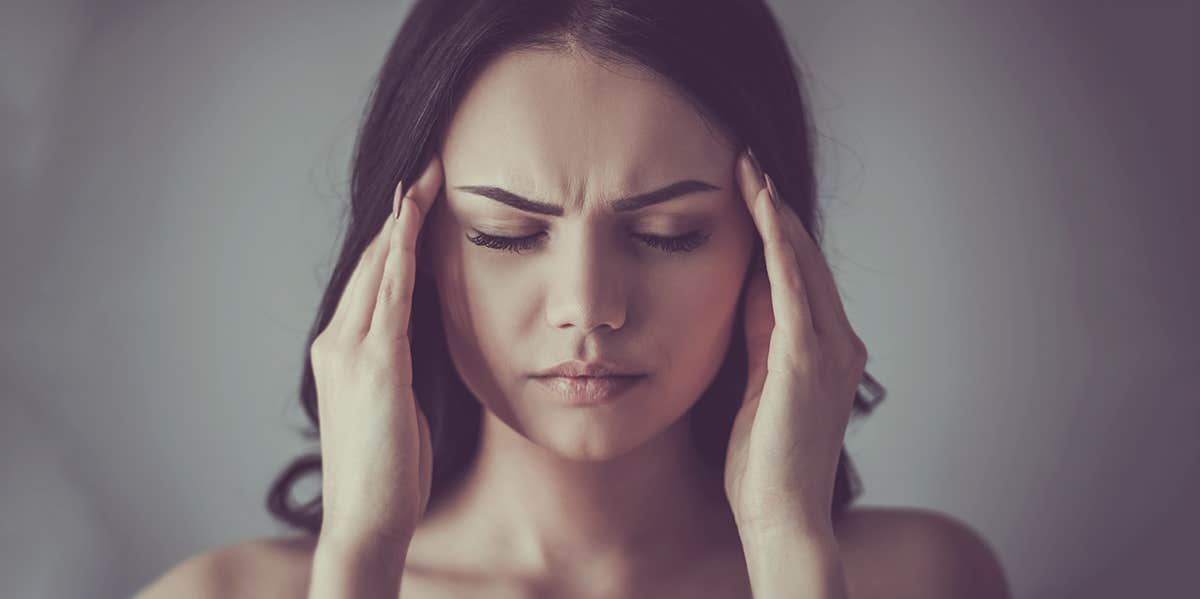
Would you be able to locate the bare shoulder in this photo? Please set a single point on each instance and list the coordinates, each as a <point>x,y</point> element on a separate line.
<point>274,567</point>
<point>911,552</point>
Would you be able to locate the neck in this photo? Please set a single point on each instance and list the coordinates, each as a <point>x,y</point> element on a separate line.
<point>550,513</point>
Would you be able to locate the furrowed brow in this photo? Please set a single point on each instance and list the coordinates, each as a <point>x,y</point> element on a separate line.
<point>635,202</point>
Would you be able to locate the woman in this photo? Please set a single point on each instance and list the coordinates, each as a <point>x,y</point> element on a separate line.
<point>581,339</point>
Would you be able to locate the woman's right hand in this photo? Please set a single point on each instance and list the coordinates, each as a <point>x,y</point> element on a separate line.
<point>376,455</point>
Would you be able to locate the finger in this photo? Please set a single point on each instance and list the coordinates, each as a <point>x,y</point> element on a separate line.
<point>789,299</point>
<point>348,291</point>
<point>362,307</point>
<point>780,259</point>
<point>749,179</point>
<point>829,316</point>
<point>394,302</point>
<point>428,184</point>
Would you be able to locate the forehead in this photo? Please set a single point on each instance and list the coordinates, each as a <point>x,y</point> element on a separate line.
<point>558,122</point>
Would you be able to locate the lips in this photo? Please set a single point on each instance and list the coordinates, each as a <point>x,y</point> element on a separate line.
<point>589,390</point>
<point>594,368</point>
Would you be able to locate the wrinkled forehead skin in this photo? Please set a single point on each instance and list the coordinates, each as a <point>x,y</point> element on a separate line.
<point>569,129</point>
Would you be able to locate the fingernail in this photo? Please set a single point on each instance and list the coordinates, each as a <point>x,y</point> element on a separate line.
<point>754,159</point>
<point>771,189</point>
<point>396,200</point>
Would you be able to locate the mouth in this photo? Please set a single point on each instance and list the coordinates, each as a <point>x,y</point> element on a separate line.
<point>589,390</point>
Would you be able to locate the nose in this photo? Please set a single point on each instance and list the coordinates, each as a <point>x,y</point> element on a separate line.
<point>587,287</point>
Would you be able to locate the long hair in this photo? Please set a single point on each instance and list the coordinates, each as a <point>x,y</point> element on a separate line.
<point>727,57</point>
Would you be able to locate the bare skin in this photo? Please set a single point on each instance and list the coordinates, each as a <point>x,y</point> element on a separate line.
<point>609,501</point>
<point>572,494</point>
<point>889,553</point>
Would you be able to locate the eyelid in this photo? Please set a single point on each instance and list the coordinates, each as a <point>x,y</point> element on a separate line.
<point>517,235</point>
<point>671,244</point>
<point>506,243</point>
<point>686,223</point>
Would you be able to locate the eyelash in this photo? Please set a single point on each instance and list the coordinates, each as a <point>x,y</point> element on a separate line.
<point>683,243</point>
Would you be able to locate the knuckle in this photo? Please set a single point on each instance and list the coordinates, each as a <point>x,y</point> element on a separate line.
<point>328,352</point>
<point>392,292</point>
<point>319,347</point>
<point>858,350</point>
<point>387,290</point>
<point>861,358</point>
<point>792,278</point>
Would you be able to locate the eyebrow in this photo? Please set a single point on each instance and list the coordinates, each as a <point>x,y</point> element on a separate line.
<point>630,203</point>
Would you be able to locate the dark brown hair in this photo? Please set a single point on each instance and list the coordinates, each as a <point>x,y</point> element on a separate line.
<point>728,57</point>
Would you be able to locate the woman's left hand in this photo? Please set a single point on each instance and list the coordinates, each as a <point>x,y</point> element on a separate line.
<point>805,363</point>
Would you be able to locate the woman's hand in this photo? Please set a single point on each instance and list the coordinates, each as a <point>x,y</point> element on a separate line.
<point>376,455</point>
<point>805,363</point>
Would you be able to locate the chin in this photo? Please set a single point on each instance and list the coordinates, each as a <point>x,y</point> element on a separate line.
<point>590,436</point>
<point>594,448</point>
<point>586,435</point>
<point>597,433</point>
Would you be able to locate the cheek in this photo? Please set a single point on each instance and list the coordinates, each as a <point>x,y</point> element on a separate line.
<point>482,329</point>
<point>693,302</point>
<point>494,311</point>
<point>692,316</point>
<point>707,285</point>
<point>485,292</point>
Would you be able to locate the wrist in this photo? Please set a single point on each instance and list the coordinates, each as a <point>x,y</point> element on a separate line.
<point>356,566</point>
<point>796,526</point>
<point>351,544</point>
<point>813,542</point>
<point>796,562</point>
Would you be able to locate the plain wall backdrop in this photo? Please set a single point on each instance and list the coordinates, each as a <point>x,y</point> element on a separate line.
<point>1012,205</point>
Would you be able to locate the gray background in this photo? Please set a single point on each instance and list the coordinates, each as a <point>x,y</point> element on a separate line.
<point>1011,190</point>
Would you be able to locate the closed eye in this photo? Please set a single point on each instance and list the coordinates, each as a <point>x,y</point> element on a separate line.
<point>682,243</point>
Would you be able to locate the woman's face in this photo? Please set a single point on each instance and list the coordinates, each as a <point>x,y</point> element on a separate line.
<point>591,281</point>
